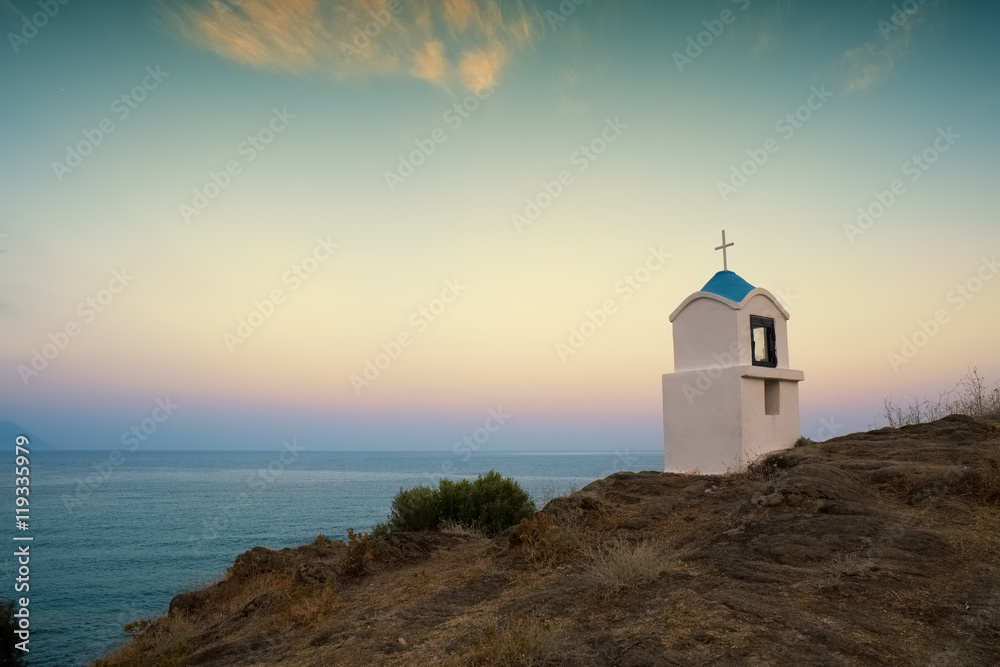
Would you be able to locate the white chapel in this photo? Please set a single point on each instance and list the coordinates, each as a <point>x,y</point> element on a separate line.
<point>732,395</point>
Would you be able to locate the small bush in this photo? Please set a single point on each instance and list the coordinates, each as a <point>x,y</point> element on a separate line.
<point>418,508</point>
<point>623,566</point>
<point>363,553</point>
<point>515,642</point>
<point>542,540</point>
<point>490,504</point>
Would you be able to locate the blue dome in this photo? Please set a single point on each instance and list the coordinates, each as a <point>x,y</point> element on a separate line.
<point>729,285</point>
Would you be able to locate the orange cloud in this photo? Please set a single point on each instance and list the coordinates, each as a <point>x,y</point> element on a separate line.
<point>429,64</point>
<point>480,68</point>
<point>262,32</point>
<point>458,13</point>
<point>351,38</point>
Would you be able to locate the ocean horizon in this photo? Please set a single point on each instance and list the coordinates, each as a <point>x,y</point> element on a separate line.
<point>116,536</point>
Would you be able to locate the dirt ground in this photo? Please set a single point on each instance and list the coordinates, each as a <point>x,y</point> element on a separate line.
<point>879,548</point>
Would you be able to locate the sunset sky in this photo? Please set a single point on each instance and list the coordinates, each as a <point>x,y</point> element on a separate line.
<point>456,184</point>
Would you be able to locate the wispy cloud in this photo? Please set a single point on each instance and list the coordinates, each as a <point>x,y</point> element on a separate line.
<point>872,63</point>
<point>768,23</point>
<point>450,43</point>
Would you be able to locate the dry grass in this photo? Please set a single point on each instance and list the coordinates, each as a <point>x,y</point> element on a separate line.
<point>518,641</point>
<point>544,541</point>
<point>988,484</point>
<point>757,476</point>
<point>456,528</point>
<point>164,638</point>
<point>971,396</point>
<point>855,566</point>
<point>622,566</point>
<point>980,538</point>
<point>303,605</point>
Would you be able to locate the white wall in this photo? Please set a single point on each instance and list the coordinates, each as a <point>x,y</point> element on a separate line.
<point>714,416</point>
<point>701,425</point>
<point>766,433</point>
<point>703,332</point>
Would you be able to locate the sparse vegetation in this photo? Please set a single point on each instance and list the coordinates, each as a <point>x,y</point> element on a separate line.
<point>150,644</point>
<point>491,503</point>
<point>898,527</point>
<point>972,396</point>
<point>542,540</point>
<point>362,552</point>
<point>621,566</point>
<point>516,642</point>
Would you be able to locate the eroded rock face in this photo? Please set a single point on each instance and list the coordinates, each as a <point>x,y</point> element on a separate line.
<point>188,604</point>
<point>257,561</point>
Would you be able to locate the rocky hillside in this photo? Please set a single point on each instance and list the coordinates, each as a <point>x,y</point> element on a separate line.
<point>879,548</point>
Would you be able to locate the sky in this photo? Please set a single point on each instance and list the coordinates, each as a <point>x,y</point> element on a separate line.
<point>373,225</point>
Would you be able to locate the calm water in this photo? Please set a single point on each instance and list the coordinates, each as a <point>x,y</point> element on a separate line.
<point>154,524</point>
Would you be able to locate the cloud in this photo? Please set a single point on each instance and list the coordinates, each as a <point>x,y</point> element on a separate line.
<point>429,64</point>
<point>283,35</point>
<point>480,69</point>
<point>458,12</point>
<point>768,26</point>
<point>463,43</point>
<point>872,63</point>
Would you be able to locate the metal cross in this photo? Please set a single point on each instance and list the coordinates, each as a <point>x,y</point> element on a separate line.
<point>725,261</point>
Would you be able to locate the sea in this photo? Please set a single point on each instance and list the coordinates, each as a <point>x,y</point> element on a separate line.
<point>116,535</point>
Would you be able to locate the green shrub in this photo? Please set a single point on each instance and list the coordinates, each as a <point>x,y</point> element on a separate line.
<point>416,509</point>
<point>491,503</point>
